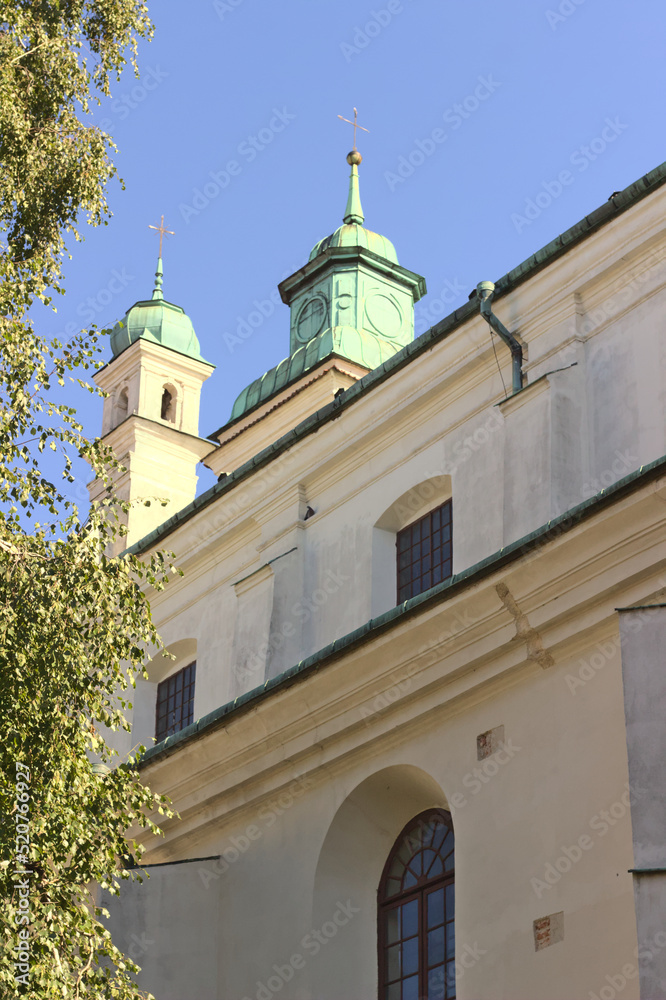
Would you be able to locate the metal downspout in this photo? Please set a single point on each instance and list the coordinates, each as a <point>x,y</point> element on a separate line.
<point>485,291</point>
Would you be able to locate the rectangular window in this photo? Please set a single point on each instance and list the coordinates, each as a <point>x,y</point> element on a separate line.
<point>424,552</point>
<point>175,702</point>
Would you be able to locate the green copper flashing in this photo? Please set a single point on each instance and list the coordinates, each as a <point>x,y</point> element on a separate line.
<point>341,341</point>
<point>353,211</point>
<point>158,321</point>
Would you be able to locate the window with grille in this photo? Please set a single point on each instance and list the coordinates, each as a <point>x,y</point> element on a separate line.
<point>417,911</point>
<point>424,552</point>
<point>175,702</point>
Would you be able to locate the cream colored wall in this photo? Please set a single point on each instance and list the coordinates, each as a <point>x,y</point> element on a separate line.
<point>318,835</point>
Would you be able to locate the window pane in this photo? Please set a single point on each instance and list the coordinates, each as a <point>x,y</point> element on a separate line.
<point>410,957</point>
<point>410,988</point>
<point>409,880</point>
<point>450,901</point>
<point>393,886</point>
<point>403,541</point>
<point>393,963</point>
<point>450,979</point>
<point>175,702</point>
<point>436,946</point>
<point>436,868</point>
<point>437,984</point>
<point>450,939</point>
<point>410,918</point>
<point>436,908</point>
<point>393,925</point>
<point>394,991</point>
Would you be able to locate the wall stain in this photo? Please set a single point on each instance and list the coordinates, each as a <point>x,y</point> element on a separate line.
<point>524,631</point>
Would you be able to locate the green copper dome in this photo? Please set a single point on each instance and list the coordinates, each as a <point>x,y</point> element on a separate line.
<point>354,301</point>
<point>158,321</point>
<point>352,233</point>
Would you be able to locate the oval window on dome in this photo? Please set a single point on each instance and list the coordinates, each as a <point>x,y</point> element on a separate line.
<point>311,318</point>
<point>384,315</point>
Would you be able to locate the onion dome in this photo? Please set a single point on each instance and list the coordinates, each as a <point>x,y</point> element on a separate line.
<point>353,233</point>
<point>158,321</point>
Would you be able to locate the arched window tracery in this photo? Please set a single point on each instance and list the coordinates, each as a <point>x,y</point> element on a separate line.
<point>416,912</point>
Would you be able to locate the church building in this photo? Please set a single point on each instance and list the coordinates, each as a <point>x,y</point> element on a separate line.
<point>413,719</point>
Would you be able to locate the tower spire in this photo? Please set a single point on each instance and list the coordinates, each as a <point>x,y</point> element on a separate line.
<point>354,211</point>
<point>159,273</point>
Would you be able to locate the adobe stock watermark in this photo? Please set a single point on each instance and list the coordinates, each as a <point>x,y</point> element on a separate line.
<point>123,106</point>
<point>90,308</point>
<point>614,985</point>
<point>616,302</point>
<point>376,23</point>
<point>604,652</point>
<point>247,150</point>
<point>311,944</point>
<point>431,310</point>
<point>564,11</point>
<point>301,612</point>
<point>224,7</point>
<point>240,844</point>
<point>476,779</point>
<point>245,495</point>
<point>473,442</point>
<point>581,159</point>
<point>454,117</point>
<point>21,874</point>
<point>262,309</point>
<point>600,824</point>
<point>400,681</point>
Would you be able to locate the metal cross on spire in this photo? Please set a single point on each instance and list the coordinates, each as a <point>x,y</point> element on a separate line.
<point>355,124</point>
<point>162,231</point>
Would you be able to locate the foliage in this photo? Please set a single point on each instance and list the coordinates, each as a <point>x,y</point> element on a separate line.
<point>75,624</point>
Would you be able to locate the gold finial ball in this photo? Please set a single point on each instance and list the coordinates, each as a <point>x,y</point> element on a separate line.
<point>354,158</point>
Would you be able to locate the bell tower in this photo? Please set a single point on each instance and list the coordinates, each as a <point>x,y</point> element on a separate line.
<point>151,411</point>
<point>351,309</point>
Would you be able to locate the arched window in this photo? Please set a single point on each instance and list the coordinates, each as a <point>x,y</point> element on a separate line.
<point>121,408</point>
<point>168,409</point>
<point>416,912</point>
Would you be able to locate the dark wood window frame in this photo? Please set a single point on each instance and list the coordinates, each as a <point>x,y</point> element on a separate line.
<point>420,902</point>
<point>424,552</point>
<point>174,707</point>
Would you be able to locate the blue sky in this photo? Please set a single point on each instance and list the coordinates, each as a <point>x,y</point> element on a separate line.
<point>474,110</point>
